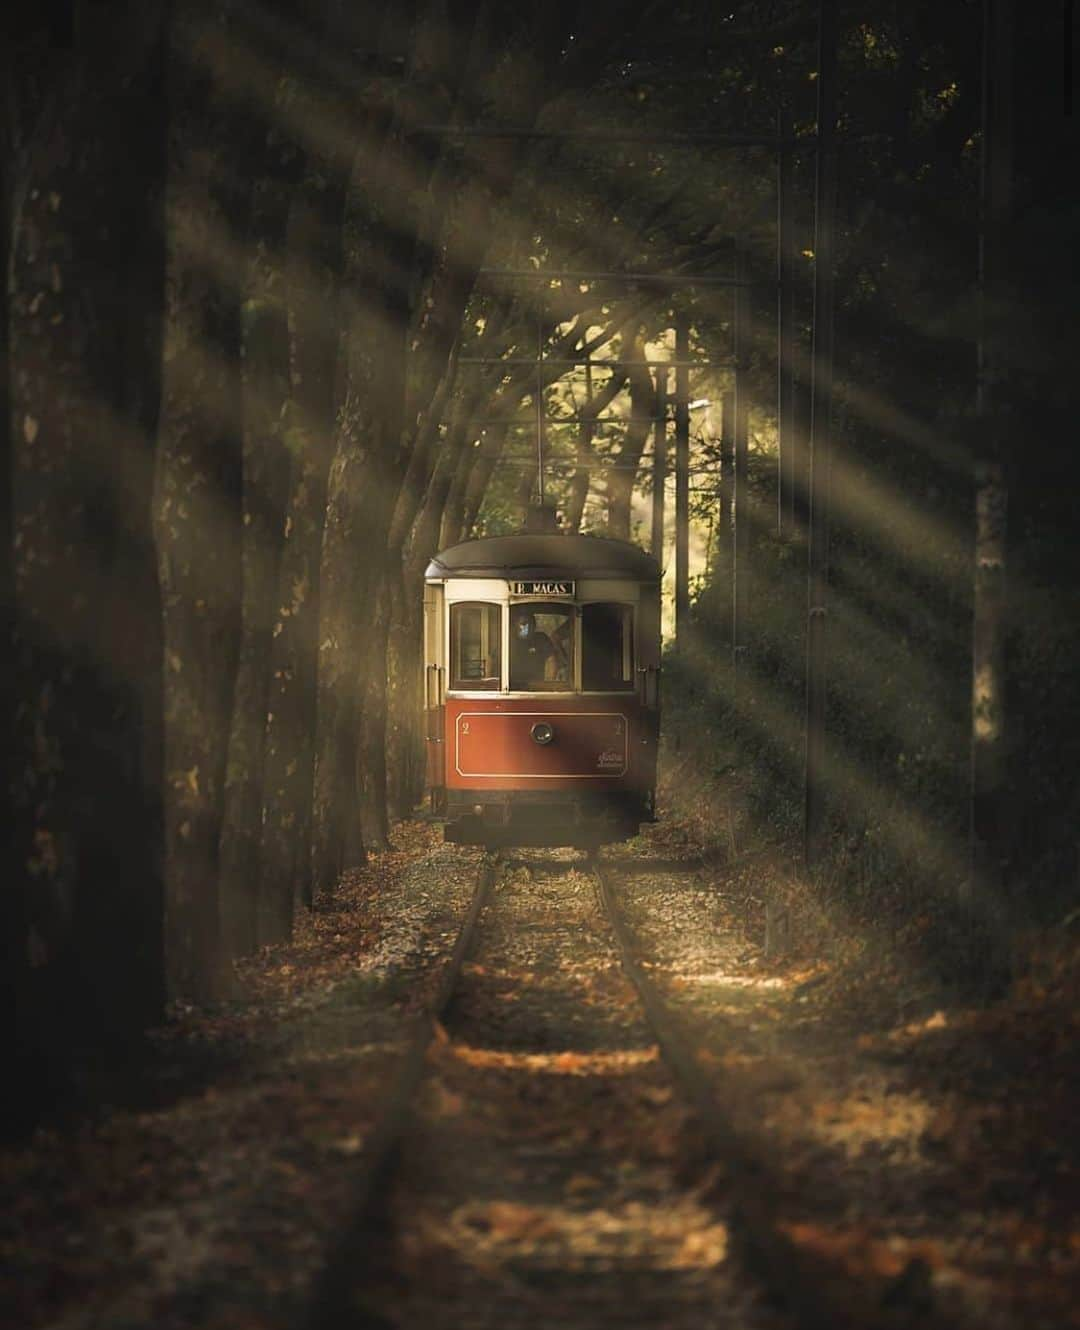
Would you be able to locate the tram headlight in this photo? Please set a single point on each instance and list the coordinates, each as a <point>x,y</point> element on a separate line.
<point>542,733</point>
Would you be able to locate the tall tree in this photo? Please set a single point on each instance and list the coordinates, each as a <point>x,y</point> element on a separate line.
<point>988,762</point>
<point>201,480</point>
<point>625,463</point>
<point>312,280</point>
<point>266,482</point>
<point>87,282</point>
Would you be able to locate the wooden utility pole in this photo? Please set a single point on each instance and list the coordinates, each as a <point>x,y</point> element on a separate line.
<point>786,446</point>
<point>741,505</point>
<point>682,477</point>
<point>820,433</point>
<point>988,765</point>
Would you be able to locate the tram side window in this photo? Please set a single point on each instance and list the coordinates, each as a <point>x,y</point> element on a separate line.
<point>607,656</point>
<point>541,647</point>
<point>475,642</point>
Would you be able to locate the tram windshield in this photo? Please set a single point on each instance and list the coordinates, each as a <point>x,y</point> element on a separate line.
<point>607,656</point>
<point>541,647</point>
<point>475,646</point>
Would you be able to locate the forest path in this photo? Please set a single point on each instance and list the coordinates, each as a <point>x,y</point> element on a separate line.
<point>925,1157</point>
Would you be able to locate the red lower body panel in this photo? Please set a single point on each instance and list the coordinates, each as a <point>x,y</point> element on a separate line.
<point>591,742</point>
<point>552,771</point>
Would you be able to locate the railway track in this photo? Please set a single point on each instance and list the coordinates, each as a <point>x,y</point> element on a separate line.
<point>503,1030</point>
<point>332,1301</point>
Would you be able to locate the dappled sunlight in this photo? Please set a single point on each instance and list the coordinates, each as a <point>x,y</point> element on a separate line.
<point>894,520</point>
<point>861,1254</point>
<point>721,979</point>
<point>906,693</point>
<point>569,1063</point>
<point>871,1116</point>
<point>897,820</point>
<point>897,423</point>
<point>680,1236</point>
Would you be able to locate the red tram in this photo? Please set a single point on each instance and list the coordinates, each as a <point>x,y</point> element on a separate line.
<point>542,655</point>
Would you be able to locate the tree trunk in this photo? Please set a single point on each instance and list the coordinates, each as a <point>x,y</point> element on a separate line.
<point>200,498</point>
<point>742,511</point>
<point>424,541</point>
<point>353,557</point>
<point>374,767</point>
<point>659,469</point>
<point>480,477</point>
<point>13,926</point>
<point>86,897</point>
<point>586,456</point>
<point>404,739</point>
<point>682,480</point>
<point>623,475</point>
<point>312,281</point>
<point>989,820</point>
<point>266,484</point>
<point>365,482</point>
<point>722,588</point>
<point>452,527</point>
<point>821,443</point>
<point>276,167</point>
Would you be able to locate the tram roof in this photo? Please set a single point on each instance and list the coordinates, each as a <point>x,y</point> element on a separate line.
<point>539,555</point>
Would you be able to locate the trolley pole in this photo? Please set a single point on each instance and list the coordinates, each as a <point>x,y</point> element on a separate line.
<point>659,475</point>
<point>682,478</point>
<point>740,490</point>
<point>820,435</point>
<point>786,446</point>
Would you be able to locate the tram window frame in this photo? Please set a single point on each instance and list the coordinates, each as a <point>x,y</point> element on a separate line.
<point>491,650</point>
<point>589,684</point>
<point>545,607</point>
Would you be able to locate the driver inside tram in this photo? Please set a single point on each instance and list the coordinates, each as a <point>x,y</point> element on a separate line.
<point>535,657</point>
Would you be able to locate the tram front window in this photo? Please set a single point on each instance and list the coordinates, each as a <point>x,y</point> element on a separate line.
<point>474,646</point>
<point>607,663</point>
<point>541,647</point>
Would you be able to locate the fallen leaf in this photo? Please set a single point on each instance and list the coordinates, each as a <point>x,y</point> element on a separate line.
<point>507,1221</point>
<point>702,1247</point>
<point>447,1103</point>
<point>657,1094</point>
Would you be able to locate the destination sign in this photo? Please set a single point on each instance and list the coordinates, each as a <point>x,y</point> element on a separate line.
<point>541,588</point>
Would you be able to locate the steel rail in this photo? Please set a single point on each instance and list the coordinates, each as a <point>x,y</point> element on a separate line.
<point>754,1192</point>
<point>330,1306</point>
<point>669,1037</point>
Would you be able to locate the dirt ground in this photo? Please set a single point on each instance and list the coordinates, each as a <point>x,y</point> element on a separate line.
<point>922,1153</point>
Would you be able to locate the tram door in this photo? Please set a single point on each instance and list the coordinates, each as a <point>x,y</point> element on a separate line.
<point>434,690</point>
